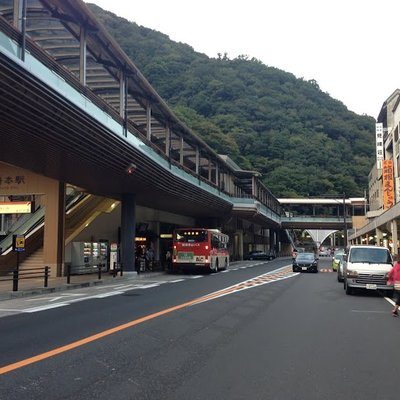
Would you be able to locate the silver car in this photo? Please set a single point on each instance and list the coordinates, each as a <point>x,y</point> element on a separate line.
<point>341,260</point>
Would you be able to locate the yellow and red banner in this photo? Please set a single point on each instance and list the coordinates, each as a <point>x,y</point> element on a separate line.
<point>388,183</point>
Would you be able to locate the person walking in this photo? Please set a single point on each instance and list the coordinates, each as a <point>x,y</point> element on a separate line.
<point>394,279</point>
<point>149,259</point>
<point>168,261</point>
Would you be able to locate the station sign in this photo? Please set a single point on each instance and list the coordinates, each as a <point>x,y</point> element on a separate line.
<point>15,207</point>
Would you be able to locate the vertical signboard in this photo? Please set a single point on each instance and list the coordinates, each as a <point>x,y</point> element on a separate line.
<point>379,144</point>
<point>388,184</point>
<point>18,243</point>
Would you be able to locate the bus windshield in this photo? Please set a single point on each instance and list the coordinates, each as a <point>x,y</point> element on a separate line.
<point>191,236</point>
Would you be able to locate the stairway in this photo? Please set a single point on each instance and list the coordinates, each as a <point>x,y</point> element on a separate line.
<point>35,260</point>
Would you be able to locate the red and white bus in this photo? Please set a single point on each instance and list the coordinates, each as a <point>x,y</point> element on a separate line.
<point>200,248</point>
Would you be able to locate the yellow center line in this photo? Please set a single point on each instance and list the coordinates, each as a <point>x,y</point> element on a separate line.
<point>119,328</point>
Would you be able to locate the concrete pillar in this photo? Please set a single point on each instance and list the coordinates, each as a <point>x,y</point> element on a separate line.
<point>272,241</point>
<point>167,141</point>
<point>197,160</point>
<point>17,14</point>
<point>128,225</point>
<point>148,122</point>
<point>393,228</point>
<point>379,237</point>
<point>122,97</point>
<point>181,151</point>
<point>155,227</point>
<point>54,227</point>
<point>82,55</point>
<point>238,245</point>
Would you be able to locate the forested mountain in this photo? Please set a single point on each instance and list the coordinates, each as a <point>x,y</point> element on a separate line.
<point>301,140</point>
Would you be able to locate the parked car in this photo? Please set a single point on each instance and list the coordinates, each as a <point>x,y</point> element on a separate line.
<point>336,259</point>
<point>340,266</point>
<point>367,267</point>
<point>259,255</point>
<point>305,262</point>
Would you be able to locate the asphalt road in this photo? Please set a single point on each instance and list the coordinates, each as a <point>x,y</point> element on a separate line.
<point>256,334</point>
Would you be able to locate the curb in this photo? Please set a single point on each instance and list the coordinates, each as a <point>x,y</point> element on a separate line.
<point>35,291</point>
<point>10,295</point>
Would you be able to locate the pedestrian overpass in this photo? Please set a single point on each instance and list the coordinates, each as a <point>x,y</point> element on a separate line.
<point>322,217</point>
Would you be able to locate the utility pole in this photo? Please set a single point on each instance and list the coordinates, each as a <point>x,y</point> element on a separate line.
<point>344,220</point>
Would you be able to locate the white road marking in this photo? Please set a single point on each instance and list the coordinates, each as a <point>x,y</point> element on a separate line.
<point>388,299</point>
<point>147,286</point>
<point>119,287</point>
<point>42,308</point>
<point>102,296</point>
<point>70,298</point>
<point>62,296</point>
<point>56,298</point>
<point>258,281</point>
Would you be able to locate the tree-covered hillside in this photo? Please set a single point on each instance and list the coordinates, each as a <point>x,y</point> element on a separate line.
<point>301,140</point>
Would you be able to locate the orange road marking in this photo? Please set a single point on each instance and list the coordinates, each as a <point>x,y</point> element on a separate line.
<point>89,339</point>
<point>119,328</point>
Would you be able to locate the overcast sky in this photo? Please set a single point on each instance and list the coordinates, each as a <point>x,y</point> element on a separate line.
<point>350,47</point>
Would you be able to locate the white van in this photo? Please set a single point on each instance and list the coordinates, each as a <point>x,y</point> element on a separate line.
<point>367,267</point>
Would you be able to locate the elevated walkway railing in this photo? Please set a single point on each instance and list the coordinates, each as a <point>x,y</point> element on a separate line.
<point>313,222</point>
<point>308,218</point>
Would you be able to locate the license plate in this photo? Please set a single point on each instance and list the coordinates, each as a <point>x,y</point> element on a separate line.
<point>304,268</point>
<point>185,256</point>
<point>370,286</point>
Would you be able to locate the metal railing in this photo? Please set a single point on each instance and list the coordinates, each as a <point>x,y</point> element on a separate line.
<point>98,269</point>
<point>27,273</point>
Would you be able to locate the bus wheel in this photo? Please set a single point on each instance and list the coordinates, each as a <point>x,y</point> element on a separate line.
<point>216,266</point>
<point>226,264</point>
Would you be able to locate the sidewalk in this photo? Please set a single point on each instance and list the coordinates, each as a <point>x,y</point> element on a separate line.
<point>35,286</point>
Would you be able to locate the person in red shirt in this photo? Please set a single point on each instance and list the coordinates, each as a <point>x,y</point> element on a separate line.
<point>394,279</point>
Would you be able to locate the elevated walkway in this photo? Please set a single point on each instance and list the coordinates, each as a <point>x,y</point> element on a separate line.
<point>321,213</point>
<point>309,222</point>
